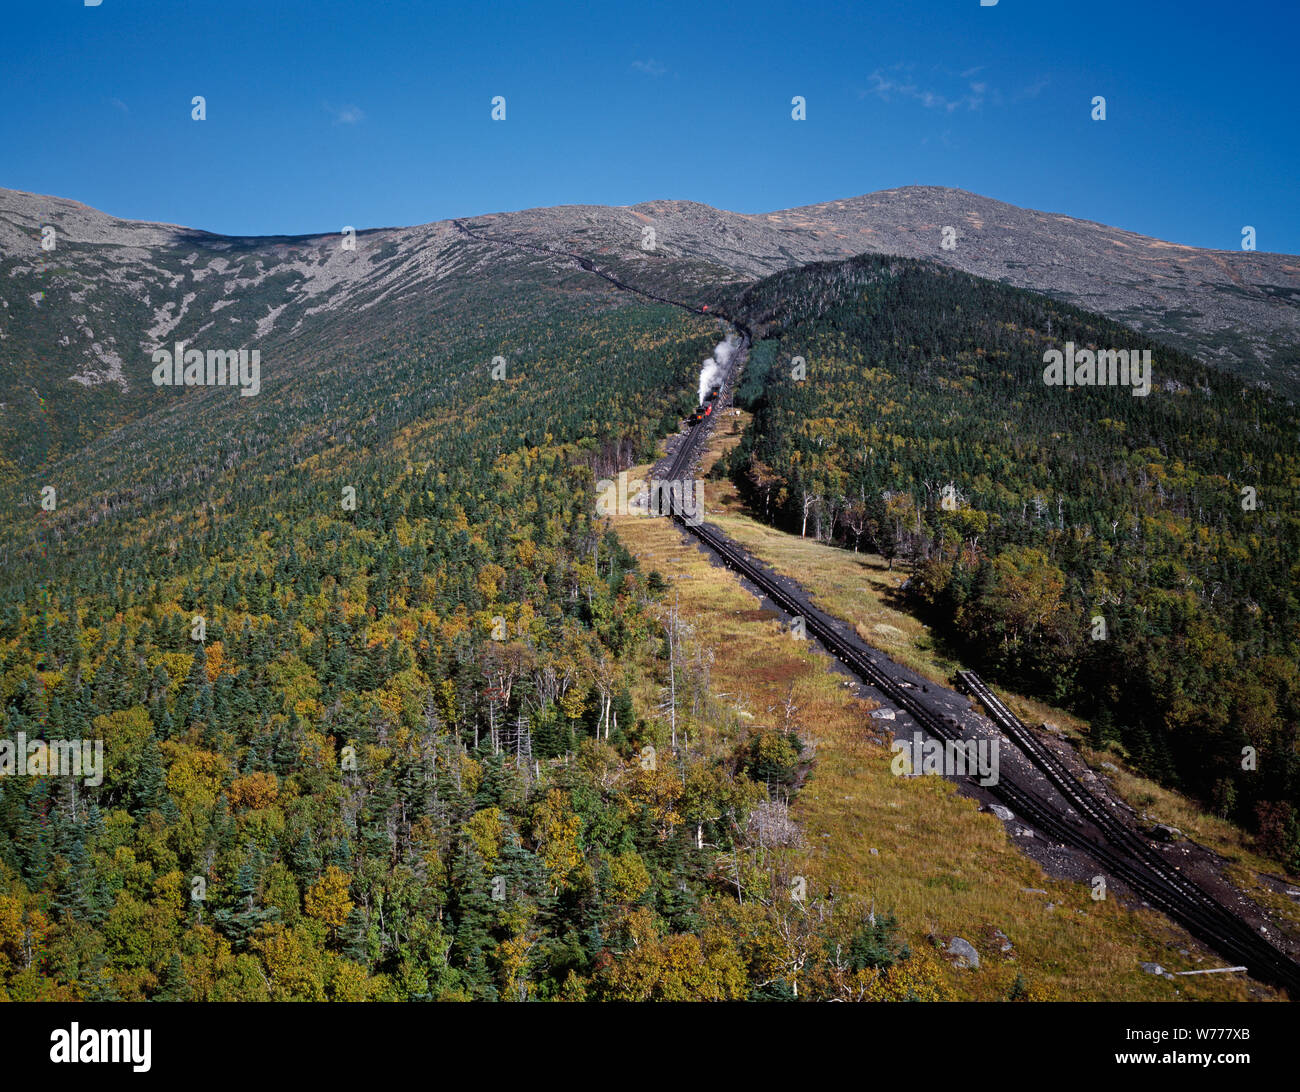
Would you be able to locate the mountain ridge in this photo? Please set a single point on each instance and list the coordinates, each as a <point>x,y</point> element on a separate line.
<point>79,323</point>
<point>1085,262</point>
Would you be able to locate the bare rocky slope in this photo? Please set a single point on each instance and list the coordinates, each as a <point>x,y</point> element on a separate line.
<point>1237,310</point>
<point>78,323</point>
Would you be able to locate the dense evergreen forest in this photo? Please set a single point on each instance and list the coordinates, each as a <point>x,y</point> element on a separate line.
<point>382,701</point>
<point>362,661</point>
<point>1136,558</point>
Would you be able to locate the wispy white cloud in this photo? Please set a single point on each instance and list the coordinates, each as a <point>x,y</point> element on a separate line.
<point>898,83</point>
<point>120,105</point>
<point>1030,92</point>
<point>650,67</point>
<point>347,115</point>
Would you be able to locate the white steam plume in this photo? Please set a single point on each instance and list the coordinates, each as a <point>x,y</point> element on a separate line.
<point>709,375</point>
<point>713,369</point>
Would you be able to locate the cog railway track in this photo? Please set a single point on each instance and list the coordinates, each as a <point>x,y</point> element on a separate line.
<point>1083,821</point>
<point>1087,823</point>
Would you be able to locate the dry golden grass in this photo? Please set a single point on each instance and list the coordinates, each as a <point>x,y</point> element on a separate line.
<point>942,866</point>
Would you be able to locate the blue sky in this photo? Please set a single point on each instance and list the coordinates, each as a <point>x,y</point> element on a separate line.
<point>330,113</point>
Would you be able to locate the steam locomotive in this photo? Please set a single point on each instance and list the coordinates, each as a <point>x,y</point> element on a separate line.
<point>705,408</point>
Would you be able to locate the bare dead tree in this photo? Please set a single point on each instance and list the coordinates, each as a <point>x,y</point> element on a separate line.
<point>672,667</point>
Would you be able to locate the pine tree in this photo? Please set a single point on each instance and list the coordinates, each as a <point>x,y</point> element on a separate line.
<point>242,916</point>
<point>175,986</point>
<point>472,912</point>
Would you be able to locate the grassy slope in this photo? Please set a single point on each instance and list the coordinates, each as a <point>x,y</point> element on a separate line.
<point>942,866</point>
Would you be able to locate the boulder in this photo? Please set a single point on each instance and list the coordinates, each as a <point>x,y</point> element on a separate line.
<point>963,954</point>
<point>1005,814</point>
<point>1155,968</point>
<point>1164,833</point>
